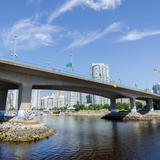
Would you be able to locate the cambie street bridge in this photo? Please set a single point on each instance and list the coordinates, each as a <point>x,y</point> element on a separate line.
<point>24,77</point>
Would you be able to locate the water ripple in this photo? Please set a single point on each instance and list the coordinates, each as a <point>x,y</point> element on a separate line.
<point>90,138</point>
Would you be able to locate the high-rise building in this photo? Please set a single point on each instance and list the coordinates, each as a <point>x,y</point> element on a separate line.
<point>12,99</point>
<point>89,99</point>
<point>83,98</point>
<point>123,100</point>
<point>156,88</point>
<point>44,102</point>
<point>100,72</point>
<point>73,98</point>
<point>36,99</point>
<point>56,100</point>
<point>59,99</point>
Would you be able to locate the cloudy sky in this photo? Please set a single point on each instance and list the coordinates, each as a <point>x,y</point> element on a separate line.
<point>122,33</point>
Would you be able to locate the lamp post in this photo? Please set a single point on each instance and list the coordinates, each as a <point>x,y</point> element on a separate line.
<point>14,53</point>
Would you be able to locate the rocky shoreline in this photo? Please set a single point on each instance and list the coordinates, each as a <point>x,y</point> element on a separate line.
<point>133,116</point>
<point>16,130</point>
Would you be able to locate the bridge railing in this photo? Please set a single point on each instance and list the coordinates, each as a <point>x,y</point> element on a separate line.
<point>49,68</point>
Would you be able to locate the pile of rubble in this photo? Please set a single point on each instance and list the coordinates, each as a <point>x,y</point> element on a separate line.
<point>24,131</point>
<point>137,117</point>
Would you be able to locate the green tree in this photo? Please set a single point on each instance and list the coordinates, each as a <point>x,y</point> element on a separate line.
<point>107,106</point>
<point>122,106</point>
<point>139,105</point>
<point>79,107</point>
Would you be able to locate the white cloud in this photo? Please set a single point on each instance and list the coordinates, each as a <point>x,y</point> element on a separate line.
<point>69,5</point>
<point>137,35</point>
<point>96,5</point>
<point>89,37</point>
<point>102,4</point>
<point>29,34</point>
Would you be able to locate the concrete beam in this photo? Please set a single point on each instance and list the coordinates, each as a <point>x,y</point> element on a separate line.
<point>3,99</point>
<point>133,104</point>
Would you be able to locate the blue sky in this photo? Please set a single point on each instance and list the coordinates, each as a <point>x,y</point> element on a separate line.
<point>122,33</point>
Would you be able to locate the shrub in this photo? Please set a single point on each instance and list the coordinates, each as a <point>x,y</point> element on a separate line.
<point>139,105</point>
<point>122,106</point>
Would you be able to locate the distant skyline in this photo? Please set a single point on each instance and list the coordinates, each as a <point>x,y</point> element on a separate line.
<point>122,33</point>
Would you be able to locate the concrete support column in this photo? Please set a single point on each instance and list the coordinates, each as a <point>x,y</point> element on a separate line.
<point>113,105</point>
<point>3,99</point>
<point>24,99</point>
<point>150,104</point>
<point>133,104</point>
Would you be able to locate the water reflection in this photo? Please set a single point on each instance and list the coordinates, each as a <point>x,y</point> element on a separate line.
<point>90,138</point>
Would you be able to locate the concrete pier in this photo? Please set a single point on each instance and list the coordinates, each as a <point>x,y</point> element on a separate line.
<point>24,100</point>
<point>3,99</point>
<point>133,104</point>
<point>113,104</point>
<point>150,104</point>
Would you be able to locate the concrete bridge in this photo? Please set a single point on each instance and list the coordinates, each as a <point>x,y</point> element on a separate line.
<point>27,77</point>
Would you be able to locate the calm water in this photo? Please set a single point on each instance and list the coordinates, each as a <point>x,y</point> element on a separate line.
<point>90,138</point>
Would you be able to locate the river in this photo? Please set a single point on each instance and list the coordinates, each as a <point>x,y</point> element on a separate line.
<point>90,138</point>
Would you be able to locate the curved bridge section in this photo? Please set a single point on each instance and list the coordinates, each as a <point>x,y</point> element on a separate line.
<point>26,77</point>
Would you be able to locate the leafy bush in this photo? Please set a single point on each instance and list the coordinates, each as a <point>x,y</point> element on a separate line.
<point>139,105</point>
<point>122,106</point>
<point>107,106</point>
<point>79,107</point>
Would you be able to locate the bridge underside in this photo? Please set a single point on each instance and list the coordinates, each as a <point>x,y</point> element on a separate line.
<point>8,85</point>
<point>24,99</point>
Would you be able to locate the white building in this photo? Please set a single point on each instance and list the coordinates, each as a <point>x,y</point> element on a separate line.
<point>56,100</point>
<point>12,99</point>
<point>44,102</point>
<point>36,99</point>
<point>83,98</point>
<point>156,88</point>
<point>100,72</point>
<point>59,99</point>
<point>123,100</point>
<point>73,98</point>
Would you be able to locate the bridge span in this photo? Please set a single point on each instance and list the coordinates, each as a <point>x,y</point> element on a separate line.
<point>25,77</point>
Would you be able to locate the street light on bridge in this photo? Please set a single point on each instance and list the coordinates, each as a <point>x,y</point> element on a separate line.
<point>14,53</point>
